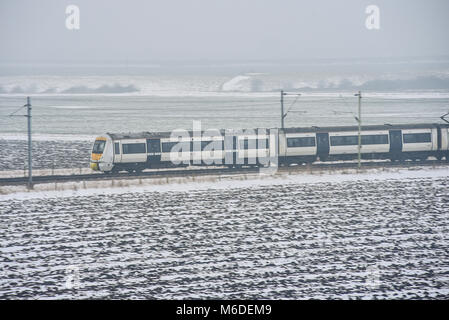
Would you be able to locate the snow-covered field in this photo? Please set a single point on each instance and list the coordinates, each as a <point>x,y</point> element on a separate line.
<point>47,154</point>
<point>375,234</point>
<point>378,234</point>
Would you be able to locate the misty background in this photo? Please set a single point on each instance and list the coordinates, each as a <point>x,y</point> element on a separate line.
<point>220,30</point>
<point>158,65</point>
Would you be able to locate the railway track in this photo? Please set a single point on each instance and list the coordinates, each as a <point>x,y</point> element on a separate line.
<point>213,171</point>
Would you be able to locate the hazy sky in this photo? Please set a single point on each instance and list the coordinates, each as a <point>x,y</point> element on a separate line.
<point>221,29</point>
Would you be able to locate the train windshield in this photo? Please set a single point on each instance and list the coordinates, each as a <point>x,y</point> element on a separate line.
<point>99,146</point>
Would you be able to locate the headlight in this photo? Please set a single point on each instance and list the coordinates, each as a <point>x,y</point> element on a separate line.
<point>94,166</point>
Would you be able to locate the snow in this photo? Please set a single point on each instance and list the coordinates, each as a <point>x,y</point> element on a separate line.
<point>46,172</point>
<point>311,235</point>
<point>238,83</point>
<point>46,137</point>
<point>177,184</point>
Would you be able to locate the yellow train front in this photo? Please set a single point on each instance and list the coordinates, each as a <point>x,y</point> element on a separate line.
<point>101,158</point>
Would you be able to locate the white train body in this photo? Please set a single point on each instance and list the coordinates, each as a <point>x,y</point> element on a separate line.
<point>138,151</point>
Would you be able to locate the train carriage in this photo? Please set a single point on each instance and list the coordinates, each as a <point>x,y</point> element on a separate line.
<point>297,147</point>
<point>251,147</point>
<point>138,151</point>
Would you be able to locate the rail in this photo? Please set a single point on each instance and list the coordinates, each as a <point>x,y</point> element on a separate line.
<point>212,171</point>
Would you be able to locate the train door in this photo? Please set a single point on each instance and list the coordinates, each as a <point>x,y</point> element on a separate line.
<point>230,150</point>
<point>154,151</point>
<point>117,152</point>
<point>439,143</point>
<point>322,140</point>
<point>235,148</point>
<point>395,142</point>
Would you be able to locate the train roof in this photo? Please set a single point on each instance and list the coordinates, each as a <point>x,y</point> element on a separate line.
<point>385,126</point>
<point>314,129</point>
<point>146,135</point>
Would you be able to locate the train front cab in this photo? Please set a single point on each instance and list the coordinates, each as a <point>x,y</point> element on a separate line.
<point>97,153</point>
<point>101,157</point>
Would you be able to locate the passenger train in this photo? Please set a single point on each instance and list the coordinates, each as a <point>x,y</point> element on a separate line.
<point>135,152</point>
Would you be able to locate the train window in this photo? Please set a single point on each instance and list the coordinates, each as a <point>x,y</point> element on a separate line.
<point>263,144</point>
<point>247,144</point>
<point>212,145</point>
<point>167,146</point>
<point>375,139</point>
<point>181,146</point>
<point>354,140</point>
<point>133,148</point>
<point>117,148</point>
<point>98,146</point>
<point>301,142</point>
<point>417,137</point>
<point>204,144</point>
<point>344,140</point>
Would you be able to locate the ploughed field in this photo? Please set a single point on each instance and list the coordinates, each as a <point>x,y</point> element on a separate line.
<point>349,239</point>
<point>46,154</point>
